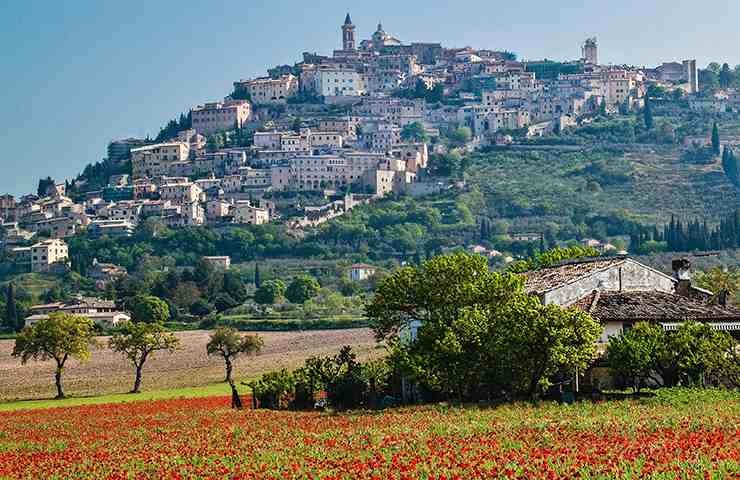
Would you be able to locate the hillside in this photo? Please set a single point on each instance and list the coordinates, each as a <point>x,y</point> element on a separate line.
<point>649,184</point>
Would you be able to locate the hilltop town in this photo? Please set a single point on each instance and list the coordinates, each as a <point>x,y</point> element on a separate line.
<point>378,118</point>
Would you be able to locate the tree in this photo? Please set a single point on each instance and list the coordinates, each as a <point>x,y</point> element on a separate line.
<point>12,320</point>
<point>695,354</point>
<point>269,292</point>
<point>632,355</point>
<point>715,139</point>
<point>201,308</point>
<point>414,132</point>
<point>474,331</point>
<point>257,276</point>
<point>725,76</point>
<point>721,281</point>
<point>44,185</point>
<point>301,289</point>
<point>57,337</point>
<point>460,136</point>
<point>223,302</point>
<point>648,113</point>
<point>214,142</point>
<point>227,343</point>
<point>445,164</point>
<point>137,341</point>
<point>234,286</point>
<point>731,166</point>
<point>150,309</point>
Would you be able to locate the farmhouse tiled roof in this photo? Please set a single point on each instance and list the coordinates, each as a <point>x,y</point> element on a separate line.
<point>653,306</point>
<point>546,279</point>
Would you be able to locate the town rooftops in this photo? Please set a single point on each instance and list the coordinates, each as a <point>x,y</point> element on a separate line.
<point>654,306</point>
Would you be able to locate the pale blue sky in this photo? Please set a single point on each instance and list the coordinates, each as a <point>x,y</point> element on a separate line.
<point>79,73</point>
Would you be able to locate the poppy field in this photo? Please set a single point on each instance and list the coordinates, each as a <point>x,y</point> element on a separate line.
<point>678,435</point>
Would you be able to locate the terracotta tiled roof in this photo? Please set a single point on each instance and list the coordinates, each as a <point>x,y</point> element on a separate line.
<point>543,280</point>
<point>653,306</point>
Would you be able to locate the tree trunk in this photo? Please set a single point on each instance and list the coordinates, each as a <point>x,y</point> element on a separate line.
<point>58,376</point>
<point>137,380</point>
<point>236,401</point>
<point>229,369</point>
<point>58,381</point>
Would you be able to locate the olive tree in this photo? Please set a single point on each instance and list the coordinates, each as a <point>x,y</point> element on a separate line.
<point>137,341</point>
<point>229,344</point>
<point>57,337</point>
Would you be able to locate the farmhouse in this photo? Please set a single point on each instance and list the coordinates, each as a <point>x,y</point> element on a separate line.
<point>620,291</point>
<point>360,271</point>
<point>102,312</point>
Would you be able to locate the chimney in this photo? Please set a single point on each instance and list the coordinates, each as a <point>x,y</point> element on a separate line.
<point>722,298</point>
<point>682,273</point>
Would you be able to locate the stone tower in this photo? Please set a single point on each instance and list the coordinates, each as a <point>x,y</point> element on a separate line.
<point>590,51</point>
<point>349,41</point>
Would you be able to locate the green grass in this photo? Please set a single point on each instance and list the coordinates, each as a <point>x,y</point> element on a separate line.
<point>214,389</point>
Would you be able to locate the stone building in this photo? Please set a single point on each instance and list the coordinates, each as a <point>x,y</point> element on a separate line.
<point>219,116</point>
<point>49,255</point>
<point>154,160</point>
<point>267,90</point>
<point>620,291</point>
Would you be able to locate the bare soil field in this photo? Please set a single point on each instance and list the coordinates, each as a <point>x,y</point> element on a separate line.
<point>107,372</point>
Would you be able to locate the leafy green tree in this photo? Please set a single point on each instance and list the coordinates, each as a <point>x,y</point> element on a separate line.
<point>229,344</point>
<point>138,341</point>
<point>460,136</point>
<point>715,139</point>
<point>695,354</point>
<point>721,281</point>
<point>551,257</point>
<point>234,286</point>
<point>214,142</point>
<point>274,389</point>
<point>445,164</point>
<point>414,132</point>
<point>223,302</point>
<point>201,308</point>
<point>476,330</point>
<point>648,113</point>
<point>544,340</point>
<point>58,337</point>
<point>241,94</point>
<point>270,292</point>
<point>301,289</point>
<point>149,309</point>
<point>632,355</point>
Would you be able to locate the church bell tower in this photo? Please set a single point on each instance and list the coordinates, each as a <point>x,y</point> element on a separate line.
<point>349,42</point>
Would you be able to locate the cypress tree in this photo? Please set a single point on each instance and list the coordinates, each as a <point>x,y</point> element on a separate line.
<point>11,309</point>
<point>257,278</point>
<point>730,166</point>
<point>648,113</point>
<point>715,139</point>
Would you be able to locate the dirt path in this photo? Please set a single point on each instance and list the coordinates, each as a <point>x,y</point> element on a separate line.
<point>108,372</point>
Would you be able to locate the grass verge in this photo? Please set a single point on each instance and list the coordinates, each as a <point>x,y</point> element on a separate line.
<point>211,390</point>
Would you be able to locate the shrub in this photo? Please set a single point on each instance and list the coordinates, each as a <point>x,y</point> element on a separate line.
<point>274,390</point>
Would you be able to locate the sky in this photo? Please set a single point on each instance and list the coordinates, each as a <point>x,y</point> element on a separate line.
<point>75,75</point>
